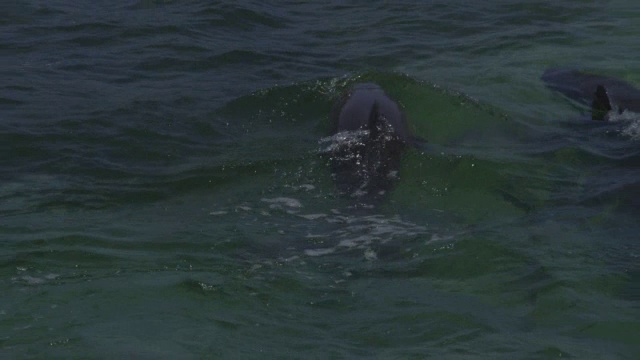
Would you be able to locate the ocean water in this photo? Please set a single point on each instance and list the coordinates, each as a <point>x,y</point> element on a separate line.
<point>164,192</point>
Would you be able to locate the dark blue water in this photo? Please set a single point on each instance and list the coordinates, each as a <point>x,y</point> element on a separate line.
<point>164,192</point>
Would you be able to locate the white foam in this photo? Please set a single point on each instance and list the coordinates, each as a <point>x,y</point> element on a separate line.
<point>341,140</point>
<point>313,216</point>
<point>283,201</point>
<point>632,120</point>
<point>626,115</point>
<point>633,130</point>
<point>370,255</point>
<point>364,233</point>
<point>319,252</point>
<point>33,280</point>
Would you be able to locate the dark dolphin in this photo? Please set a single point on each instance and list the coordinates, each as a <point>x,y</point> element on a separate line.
<point>601,93</point>
<point>372,133</point>
<point>355,111</point>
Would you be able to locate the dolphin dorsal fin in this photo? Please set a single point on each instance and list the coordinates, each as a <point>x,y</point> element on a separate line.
<point>374,120</point>
<point>601,104</point>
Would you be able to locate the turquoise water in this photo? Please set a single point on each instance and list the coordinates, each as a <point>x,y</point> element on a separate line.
<point>163,192</point>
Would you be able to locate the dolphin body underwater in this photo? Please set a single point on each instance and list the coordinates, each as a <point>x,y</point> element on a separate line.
<point>370,134</point>
<point>604,95</point>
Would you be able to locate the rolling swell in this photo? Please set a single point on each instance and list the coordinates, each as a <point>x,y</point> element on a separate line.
<point>164,191</point>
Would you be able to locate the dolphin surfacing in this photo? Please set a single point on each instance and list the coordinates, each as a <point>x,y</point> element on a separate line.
<point>602,94</point>
<point>370,134</point>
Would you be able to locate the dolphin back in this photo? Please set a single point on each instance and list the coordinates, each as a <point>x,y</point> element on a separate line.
<point>371,133</point>
<point>363,103</point>
<point>601,93</point>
